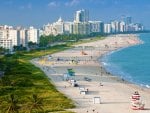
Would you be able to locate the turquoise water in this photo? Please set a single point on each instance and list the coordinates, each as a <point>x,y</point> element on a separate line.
<point>131,64</point>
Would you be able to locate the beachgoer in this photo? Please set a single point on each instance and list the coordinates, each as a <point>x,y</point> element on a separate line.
<point>136,93</point>
<point>87,89</point>
<point>100,84</point>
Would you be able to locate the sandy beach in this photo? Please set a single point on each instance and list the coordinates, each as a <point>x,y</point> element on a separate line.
<point>113,93</point>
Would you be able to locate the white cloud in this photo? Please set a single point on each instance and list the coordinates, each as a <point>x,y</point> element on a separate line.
<point>52,4</point>
<point>72,3</point>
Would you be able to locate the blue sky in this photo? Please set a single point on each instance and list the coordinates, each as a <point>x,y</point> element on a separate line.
<point>39,12</point>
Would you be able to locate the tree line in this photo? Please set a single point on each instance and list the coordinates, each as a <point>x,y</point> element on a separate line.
<point>46,41</point>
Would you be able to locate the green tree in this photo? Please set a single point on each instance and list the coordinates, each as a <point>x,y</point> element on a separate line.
<point>5,81</point>
<point>11,105</point>
<point>2,50</point>
<point>35,105</point>
<point>32,45</point>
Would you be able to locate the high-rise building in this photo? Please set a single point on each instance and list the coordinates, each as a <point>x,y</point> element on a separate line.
<point>81,23</point>
<point>13,36</point>
<point>128,20</point>
<point>107,28</point>
<point>22,37</point>
<point>54,28</point>
<point>96,26</point>
<point>115,26</point>
<point>81,28</point>
<point>8,37</point>
<point>59,26</point>
<point>68,27</point>
<point>49,29</point>
<point>81,16</point>
<point>33,35</point>
<point>122,26</point>
<point>5,41</point>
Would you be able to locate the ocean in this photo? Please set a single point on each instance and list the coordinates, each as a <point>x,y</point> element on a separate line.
<point>132,63</point>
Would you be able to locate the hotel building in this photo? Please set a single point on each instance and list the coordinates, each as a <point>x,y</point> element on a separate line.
<point>8,37</point>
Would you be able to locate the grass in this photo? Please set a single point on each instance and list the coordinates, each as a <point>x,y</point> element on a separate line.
<point>25,79</point>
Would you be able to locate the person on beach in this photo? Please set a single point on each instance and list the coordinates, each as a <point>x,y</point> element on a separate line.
<point>136,93</point>
<point>93,110</point>
<point>100,84</point>
<point>87,90</point>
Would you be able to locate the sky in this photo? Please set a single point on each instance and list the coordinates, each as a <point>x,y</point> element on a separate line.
<point>39,12</point>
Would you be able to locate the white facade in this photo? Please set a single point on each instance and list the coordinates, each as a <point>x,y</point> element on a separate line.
<point>6,43</point>
<point>54,29</point>
<point>41,32</point>
<point>68,27</point>
<point>122,26</point>
<point>81,28</point>
<point>115,26</point>
<point>33,35</point>
<point>49,29</point>
<point>107,28</point>
<point>13,36</point>
<point>59,26</point>
<point>81,16</point>
<point>96,26</point>
<point>81,23</point>
<point>23,37</point>
<point>8,37</point>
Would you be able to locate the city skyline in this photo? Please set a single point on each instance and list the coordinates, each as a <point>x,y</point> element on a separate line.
<point>36,13</point>
<point>15,36</point>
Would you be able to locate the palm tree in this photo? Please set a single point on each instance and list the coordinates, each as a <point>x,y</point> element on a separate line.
<point>11,105</point>
<point>35,104</point>
<point>5,81</point>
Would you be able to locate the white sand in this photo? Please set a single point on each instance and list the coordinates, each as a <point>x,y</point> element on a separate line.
<point>114,94</point>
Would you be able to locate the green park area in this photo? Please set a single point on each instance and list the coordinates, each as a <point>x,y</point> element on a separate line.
<point>24,88</point>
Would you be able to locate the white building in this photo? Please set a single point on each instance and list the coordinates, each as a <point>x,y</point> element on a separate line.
<point>23,37</point>
<point>68,27</point>
<point>81,16</point>
<point>107,28</point>
<point>115,26</point>
<point>13,36</point>
<point>49,30</point>
<point>8,37</point>
<point>122,26</point>
<point>55,28</point>
<point>82,28</point>
<point>33,35</point>
<point>81,23</point>
<point>41,32</point>
<point>96,26</point>
<point>59,26</point>
<point>138,27</point>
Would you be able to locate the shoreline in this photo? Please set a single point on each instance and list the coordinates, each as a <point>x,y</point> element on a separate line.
<point>91,68</point>
<point>142,86</point>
